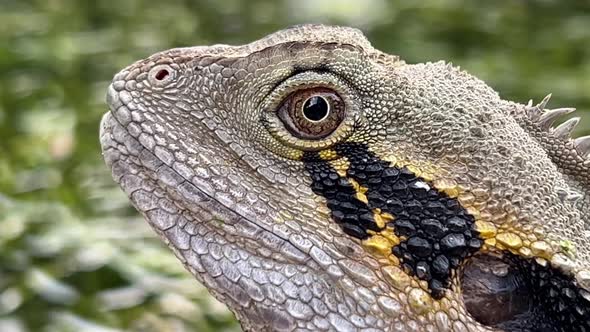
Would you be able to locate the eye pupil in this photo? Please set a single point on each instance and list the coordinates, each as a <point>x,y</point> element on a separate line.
<point>316,108</point>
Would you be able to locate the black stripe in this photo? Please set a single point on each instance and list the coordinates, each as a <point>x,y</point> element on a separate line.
<point>354,216</point>
<point>438,231</point>
<point>557,304</point>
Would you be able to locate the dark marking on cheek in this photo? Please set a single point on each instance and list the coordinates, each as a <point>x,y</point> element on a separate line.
<point>437,233</point>
<point>494,292</point>
<point>541,298</point>
<point>353,215</point>
<point>557,301</point>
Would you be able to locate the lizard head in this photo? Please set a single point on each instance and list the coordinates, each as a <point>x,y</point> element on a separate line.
<point>310,181</point>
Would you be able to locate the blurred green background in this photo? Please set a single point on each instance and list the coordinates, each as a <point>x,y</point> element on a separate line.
<point>73,255</point>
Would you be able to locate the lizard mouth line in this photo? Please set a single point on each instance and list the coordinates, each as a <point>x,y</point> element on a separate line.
<point>114,102</point>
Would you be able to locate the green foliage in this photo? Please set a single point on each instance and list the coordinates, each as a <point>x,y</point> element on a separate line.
<point>73,255</point>
<point>61,273</point>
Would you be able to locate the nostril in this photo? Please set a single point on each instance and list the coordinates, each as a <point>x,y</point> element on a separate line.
<point>162,74</point>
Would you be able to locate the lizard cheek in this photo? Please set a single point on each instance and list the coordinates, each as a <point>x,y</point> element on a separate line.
<point>495,293</point>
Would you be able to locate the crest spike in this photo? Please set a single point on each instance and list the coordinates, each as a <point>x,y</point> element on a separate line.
<point>544,102</point>
<point>582,145</point>
<point>548,118</point>
<point>565,129</point>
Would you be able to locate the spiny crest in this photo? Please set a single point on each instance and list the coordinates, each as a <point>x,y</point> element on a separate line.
<point>545,118</point>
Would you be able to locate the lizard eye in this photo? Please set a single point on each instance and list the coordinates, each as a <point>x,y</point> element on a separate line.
<point>309,111</point>
<point>312,113</point>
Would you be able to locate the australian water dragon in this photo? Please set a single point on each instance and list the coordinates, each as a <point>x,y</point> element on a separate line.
<point>312,182</point>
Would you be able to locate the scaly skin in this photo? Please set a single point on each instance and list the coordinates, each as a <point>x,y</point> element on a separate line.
<point>307,234</point>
